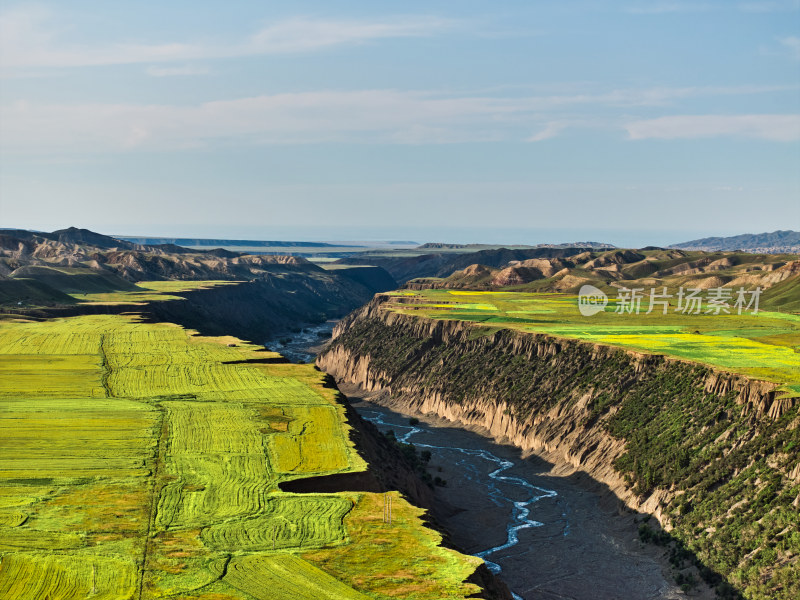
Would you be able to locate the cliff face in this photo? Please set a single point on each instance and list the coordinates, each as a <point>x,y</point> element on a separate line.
<point>708,453</point>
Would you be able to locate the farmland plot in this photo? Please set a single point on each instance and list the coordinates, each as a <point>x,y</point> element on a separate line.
<point>138,461</point>
<point>215,455</point>
<point>31,577</point>
<point>286,577</point>
<point>765,345</point>
<point>313,443</point>
<point>299,522</point>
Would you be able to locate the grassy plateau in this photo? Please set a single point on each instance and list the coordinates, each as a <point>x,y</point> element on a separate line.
<point>142,461</point>
<point>764,346</point>
<point>148,291</point>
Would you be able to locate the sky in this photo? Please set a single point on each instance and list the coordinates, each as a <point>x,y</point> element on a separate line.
<point>628,122</point>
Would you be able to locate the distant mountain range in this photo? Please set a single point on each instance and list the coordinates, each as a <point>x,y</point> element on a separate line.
<point>217,242</point>
<point>477,247</point>
<point>41,269</point>
<point>776,242</point>
<point>557,270</point>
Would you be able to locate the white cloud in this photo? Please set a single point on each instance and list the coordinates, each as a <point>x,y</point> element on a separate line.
<point>30,38</point>
<point>770,6</point>
<point>155,71</point>
<point>310,117</point>
<point>778,128</point>
<point>792,44</point>
<point>550,130</point>
<point>658,8</point>
<point>364,116</point>
<point>303,35</point>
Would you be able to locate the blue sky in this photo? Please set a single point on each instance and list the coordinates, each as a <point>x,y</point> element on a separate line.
<point>517,121</point>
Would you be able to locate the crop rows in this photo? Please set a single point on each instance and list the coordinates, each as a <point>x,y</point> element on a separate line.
<point>50,376</point>
<point>286,577</point>
<point>215,453</point>
<point>66,439</point>
<point>312,444</point>
<point>138,461</point>
<point>35,576</point>
<point>301,522</point>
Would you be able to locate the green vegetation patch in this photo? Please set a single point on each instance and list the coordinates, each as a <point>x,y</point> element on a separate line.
<point>286,577</point>
<point>401,559</point>
<point>764,345</point>
<point>35,576</point>
<point>728,461</point>
<point>299,522</point>
<point>147,291</point>
<point>142,461</point>
<point>312,443</point>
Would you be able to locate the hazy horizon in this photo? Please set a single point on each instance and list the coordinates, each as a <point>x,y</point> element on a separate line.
<point>419,235</point>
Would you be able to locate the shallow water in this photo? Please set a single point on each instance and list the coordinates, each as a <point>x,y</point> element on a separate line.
<point>547,536</point>
<point>301,345</point>
<point>519,517</point>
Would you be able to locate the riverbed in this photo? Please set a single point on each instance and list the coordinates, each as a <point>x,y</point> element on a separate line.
<point>302,345</point>
<point>547,536</point>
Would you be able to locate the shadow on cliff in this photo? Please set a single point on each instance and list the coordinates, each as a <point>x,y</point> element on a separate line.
<point>689,571</point>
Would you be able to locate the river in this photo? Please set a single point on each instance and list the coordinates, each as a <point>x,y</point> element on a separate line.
<point>547,536</point>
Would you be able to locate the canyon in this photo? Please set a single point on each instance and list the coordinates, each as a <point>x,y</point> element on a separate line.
<point>582,407</point>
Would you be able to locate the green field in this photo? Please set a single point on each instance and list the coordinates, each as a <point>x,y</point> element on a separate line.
<point>142,461</point>
<point>764,346</point>
<point>148,291</point>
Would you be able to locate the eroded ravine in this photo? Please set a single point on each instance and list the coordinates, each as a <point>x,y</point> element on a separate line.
<point>551,537</point>
<point>521,509</point>
<point>548,536</point>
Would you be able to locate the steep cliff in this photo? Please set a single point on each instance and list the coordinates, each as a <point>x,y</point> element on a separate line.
<point>713,455</point>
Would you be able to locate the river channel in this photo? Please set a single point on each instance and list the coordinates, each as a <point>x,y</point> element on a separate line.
<point>548,537</point>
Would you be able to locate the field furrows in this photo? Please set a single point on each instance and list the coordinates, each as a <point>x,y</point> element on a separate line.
<point>134,459</point>
<point>286,577</point>
<point>215,453</point>
<point>68,439</point>
<point>139,462</point>
<point>301,522</point>
<point>34,576</point>
<point>312,444</point>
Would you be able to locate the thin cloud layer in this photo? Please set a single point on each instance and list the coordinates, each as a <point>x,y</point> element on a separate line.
<point>178,71</point>
<point>777,128</point>
<point>370,116</point>
<point>29,39</point>
<point>650,7</point>
<point>792,45</point>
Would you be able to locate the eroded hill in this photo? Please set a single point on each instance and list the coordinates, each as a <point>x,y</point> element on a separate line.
<point>776,274</point>
<point>278,292</point>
